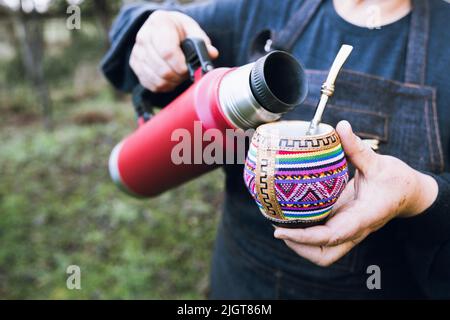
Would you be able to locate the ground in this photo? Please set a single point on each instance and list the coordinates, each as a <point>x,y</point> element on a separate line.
<point>58,207</point>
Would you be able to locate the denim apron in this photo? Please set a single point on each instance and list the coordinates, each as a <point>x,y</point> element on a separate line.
<point>400,119</point>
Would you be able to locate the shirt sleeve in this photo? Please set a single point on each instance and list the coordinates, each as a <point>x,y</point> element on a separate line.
<point>218,18</point>
<point>427,243</point>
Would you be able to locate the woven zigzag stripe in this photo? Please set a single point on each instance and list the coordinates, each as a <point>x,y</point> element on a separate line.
<point>311,177</point>
<point>307,184</point>
<point>309,193</point>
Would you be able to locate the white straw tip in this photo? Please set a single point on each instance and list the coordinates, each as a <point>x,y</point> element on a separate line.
<point>346,49</point>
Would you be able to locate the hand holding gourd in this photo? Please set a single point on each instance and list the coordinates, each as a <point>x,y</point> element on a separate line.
<point>383,188</point>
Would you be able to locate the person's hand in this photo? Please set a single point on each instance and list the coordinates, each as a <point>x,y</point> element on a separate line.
<point>383,188</point>
<point>156,58</point>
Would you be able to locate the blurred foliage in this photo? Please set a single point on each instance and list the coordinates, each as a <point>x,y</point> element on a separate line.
<point>58,206</point>
<point>62,64</point>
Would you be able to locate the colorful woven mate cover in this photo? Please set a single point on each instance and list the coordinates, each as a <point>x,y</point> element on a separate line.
<point>296,180</point>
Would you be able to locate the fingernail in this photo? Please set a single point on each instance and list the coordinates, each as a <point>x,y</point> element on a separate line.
<point>277,234</point>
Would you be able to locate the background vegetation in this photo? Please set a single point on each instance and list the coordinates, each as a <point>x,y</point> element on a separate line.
<point>58,206</point>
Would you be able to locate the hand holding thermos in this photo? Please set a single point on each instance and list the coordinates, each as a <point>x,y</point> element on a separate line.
<point>157,58</point>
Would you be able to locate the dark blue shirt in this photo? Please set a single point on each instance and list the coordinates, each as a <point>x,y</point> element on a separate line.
<point>232,24</point>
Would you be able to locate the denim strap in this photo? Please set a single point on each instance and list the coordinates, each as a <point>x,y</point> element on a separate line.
<point>416,53</point>
<point>288,36</point>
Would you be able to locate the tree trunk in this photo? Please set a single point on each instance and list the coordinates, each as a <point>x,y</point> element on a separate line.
<point>103,14</point>
<point>30,34</point>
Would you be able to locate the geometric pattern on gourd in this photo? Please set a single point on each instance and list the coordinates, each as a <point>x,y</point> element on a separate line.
<point>330,188</point>
<point>302,192</point>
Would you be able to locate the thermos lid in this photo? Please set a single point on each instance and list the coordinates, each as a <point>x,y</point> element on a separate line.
<point>278,82</point>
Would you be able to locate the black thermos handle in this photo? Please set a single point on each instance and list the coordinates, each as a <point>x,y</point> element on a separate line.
<point>196,55</point>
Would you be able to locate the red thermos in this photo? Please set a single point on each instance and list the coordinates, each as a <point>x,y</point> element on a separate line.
<point>225,98</point>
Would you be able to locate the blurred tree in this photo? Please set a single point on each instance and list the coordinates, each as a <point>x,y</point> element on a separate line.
<point>104,13</point>
<point>29,41</point>
<point>26,19</point>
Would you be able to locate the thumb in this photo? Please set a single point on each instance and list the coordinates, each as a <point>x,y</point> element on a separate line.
<point>357,152</point>
<point>193,30</point>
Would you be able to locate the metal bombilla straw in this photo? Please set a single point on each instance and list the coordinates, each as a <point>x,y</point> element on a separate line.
<point>327,89</point>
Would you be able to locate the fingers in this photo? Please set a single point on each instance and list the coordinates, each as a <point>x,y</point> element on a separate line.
<point>318,235</point>
<point>322,256</point>
<point>165,37</point>
<point>346,196</point>
<point>147,75</point>
<point>157,58</point>
<point>161,67</point>
<point>348,224</point>
<point>191,29</point>
<point>324,245</point>
<point>168,39</point>
<point>357,152</point>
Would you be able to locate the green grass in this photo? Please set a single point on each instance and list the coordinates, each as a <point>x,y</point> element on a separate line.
<point>58,207</point>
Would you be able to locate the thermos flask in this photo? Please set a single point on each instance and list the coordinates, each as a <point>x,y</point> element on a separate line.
<point>221,99</point>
